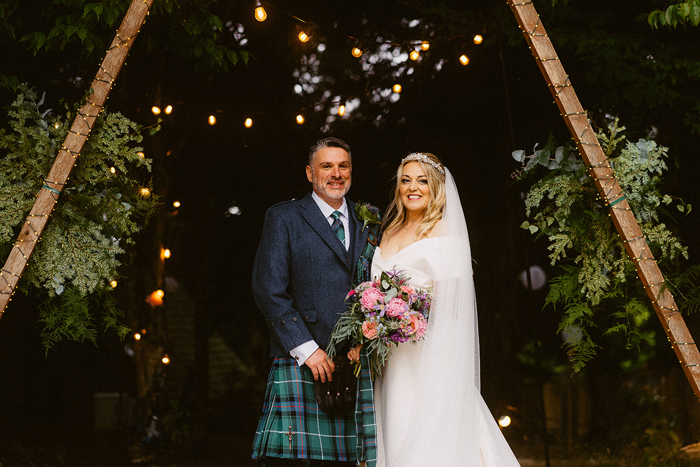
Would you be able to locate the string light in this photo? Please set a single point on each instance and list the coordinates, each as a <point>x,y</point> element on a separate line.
<point>113,284</point>
<point>137,336</point>
<point>478,39</point>
<point>464,60</point>
<point>145,192</point>
<point>248,122</point>
<point>396,88</point>
<point>260,13</point>
<point>414,55</point>
<point>156,110</point>
<point>504,421</point>
<point>425,45</point>
<point>165,359</point>
<point>169,110</point>
<point>341,110</point>
<point>303,37</point>
<point>300,119</point>
<point>356,52</point>
<point>113,170</point>
<point>141,154</point>
<point>212,120</point>
<point>166,253</point>
<point>176,204</point>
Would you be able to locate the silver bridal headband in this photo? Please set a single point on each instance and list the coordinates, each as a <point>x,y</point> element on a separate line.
<point>421,157</point>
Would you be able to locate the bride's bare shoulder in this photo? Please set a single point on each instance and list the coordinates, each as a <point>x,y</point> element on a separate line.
<point>435,231</point>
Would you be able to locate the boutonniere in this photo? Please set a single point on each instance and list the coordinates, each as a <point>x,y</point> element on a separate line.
<point>368,214</point>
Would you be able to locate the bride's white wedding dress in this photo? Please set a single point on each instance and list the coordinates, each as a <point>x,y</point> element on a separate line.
<point>428,404</point>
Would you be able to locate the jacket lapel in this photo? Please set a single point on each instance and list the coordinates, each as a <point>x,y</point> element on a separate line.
<point>314,217</point>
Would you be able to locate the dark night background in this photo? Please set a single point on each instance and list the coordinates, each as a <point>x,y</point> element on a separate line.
<point>472,117</point>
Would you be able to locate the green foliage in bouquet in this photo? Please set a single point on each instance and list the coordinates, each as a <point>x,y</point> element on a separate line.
<point>598,285</point>
<point>98,210</point>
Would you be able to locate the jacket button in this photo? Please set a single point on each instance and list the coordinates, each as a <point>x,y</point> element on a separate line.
<point>306,317</point>
<point>295,320</point>
<point>282,323</point>
<point>347,260</point>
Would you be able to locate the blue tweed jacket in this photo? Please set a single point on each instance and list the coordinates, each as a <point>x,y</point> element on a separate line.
<point>302,273</point>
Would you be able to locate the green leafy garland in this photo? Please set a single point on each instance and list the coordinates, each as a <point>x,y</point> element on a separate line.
<point>565,207</point>
<point>76,257</point>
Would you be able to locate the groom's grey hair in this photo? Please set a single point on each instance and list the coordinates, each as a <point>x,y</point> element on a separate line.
<point>328,143</point>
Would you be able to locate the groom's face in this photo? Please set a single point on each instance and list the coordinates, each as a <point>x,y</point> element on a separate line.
<point>331,174</point>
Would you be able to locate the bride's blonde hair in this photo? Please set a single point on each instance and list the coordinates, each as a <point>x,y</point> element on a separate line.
<point>435,174</point>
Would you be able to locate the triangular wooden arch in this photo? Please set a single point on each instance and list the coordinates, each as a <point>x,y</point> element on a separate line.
<point>601,171</point>
<point>70,150</point>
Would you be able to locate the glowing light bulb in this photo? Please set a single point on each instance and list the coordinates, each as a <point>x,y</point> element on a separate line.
<point>478,39</point>
<point>165,359</point>
<point>212,120</point>
<point>176,204</point>
<point>396,88</point>
<point>425,45</point>
<point>137,336</point>
<point>414,55</point>
<point>504,421</point>
<point>260,13</point>
<point>304,37</point>
<point>57,125</point>
<point>341,110</point>
<point>145,192</point>
<point>248,122</point>
<point>464,60</point>
<point>159,293</point>
<point>169,110</point>
<point>141,154</point>
<point>300,119</point>
<point>113,284</point>
<point>166,253</point>
<point>113,170</point>
<point>356,52</point>
<point>156,110</point>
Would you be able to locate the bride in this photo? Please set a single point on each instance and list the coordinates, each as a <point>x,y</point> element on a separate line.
<point>428,404</point>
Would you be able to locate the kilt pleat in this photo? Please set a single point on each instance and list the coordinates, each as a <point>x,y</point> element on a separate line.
<point>292,426</point>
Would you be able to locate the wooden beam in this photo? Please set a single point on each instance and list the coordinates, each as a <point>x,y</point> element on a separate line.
<point>70,150</point>
<point>610,191</point>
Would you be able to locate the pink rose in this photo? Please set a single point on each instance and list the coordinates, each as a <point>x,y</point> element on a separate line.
<point>421,326</point>
<point>415,326</point>
<point>370,297</point>
<point>369,329</point>
<point>396,308</point>
<point>407,289</point>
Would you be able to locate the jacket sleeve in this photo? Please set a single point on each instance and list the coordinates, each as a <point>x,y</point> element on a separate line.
<point>271,277</point>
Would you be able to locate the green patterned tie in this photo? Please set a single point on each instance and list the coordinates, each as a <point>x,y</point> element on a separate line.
<point>338,226</point>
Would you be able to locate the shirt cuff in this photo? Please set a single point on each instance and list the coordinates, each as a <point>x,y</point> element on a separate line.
<point>303,351</point>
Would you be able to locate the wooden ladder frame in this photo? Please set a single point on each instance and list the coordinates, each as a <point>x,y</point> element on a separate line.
<point>599,168</point>
<point>70,150</point>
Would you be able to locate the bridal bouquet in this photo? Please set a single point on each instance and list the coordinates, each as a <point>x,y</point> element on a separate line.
<point>382,314</point>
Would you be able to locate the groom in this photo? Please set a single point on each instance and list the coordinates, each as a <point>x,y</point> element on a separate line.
<point>303,270</point>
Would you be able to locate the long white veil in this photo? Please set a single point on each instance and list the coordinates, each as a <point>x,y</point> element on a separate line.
<point>450,423</point>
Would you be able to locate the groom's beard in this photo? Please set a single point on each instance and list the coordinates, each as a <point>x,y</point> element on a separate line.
<point>327,189</point>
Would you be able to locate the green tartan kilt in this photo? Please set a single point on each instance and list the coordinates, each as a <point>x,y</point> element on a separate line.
<point>293,427</point>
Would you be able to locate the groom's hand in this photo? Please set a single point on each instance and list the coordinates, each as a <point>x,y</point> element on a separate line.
<point>320,365</point>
